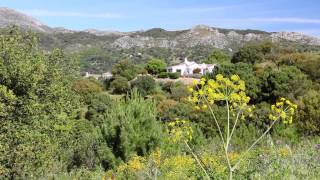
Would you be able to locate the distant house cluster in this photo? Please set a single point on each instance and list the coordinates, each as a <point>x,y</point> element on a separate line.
<point>106,75</point>
<point>190,67</point>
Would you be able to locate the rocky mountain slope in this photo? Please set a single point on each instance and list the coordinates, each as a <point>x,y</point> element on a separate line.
<point>200,35</point>
<point>11,17</point>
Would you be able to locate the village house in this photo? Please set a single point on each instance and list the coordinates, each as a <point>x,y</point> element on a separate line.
<point>190,67</point>
<point>106,75</point>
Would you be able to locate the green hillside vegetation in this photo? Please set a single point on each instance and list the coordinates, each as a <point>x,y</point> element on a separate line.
<point>55,124</point>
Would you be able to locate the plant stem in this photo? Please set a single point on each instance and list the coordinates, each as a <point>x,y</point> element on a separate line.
<point>215,120</point>
<point>197,159</point>
<point>228,140</point>
<point>253,144</point>
<point>235,123</point>
<point>230,174</point>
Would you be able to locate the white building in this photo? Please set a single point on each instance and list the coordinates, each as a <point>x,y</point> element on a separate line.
<point>106,75</point>
<point>188,67</point>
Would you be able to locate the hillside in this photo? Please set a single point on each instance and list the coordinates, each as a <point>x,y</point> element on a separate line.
<point>100,49</point>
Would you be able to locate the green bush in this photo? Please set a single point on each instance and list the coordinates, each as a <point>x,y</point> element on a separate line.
<point>38,108</point>
<point>120,85</point>
<point>178,91</point>
<point>309,114</point>
<point>155,66</point>
<point>217,57</point>
<point>125,68</point>
<point>86,86</point>
<point>131,127</point>
<point>163,75</point>
<point>252,53</point>
<point>246,72</point>
<point>286,81</point>
<point>144,84</point>
<point>174,75</point>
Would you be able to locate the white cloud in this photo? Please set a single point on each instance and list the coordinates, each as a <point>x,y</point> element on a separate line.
<point>285,20</point>
<point>199,9</point>
<point>48,13</point>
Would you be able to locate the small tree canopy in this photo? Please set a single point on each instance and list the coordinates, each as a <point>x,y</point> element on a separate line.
<point>156,66</point>
<point>217,57</point>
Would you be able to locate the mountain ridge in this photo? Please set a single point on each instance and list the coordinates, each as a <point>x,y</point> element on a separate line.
<point>199,35</point>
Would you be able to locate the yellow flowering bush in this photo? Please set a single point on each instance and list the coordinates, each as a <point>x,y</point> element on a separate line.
<point>284,109</point>
<point>178,167</point>
<point>231,93</point>
<point>230,90</point>
<point>180,130</point>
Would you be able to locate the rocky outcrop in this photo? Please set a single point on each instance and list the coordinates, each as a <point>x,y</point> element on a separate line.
<point>295,37</point>
<point>10,17</point>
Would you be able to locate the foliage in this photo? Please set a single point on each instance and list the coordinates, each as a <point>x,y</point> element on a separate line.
<point>55,125</point>
<point>252,53</point>
<point>163,75</point>
<point>286,81</point>
<point>174,75</point>
<point>144,84</point>
<point>40,108</point>
<point>230,91</point>
<point>178,91</point>
<point>131,127</point>
<point>309,114</point>
<point>155,66</point>
<point>217,57</point>
<point>125,68</point>
<point>120,85</point>
<point>86,86</point>
<point>245,72</point>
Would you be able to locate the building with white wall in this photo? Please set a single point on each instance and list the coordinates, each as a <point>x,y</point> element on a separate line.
<point>188,68</point>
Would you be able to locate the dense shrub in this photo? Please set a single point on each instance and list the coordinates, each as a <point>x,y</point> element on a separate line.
<point>174,75</point>
<point>120,85</point>
<point>178,91</point>
<point>156,66</point>
<point>131,127</point>
<point>86,86</point>
<point>38,108</point>
<point>144,84</point>
<point>217,57</point>
<point>163,75</point>
<point>248,54</point>
<point>309,113</point>
<point>246,72</point>
<point>287,81</point>
<point>125,68</point>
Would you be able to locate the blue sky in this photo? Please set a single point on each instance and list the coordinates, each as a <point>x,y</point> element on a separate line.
<point>129,15</point>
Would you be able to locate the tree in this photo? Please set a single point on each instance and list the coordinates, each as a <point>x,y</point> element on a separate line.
<point>155,66</point>
<point>38,108</point>
<point>246,72</point>
<point>248,54</point>
<point>120,85</point>
<point>126,69</point>
<point>131,127</point>
<point>217,57</point>
<point>178,90</point>
<point>309,114</point>
<point>287,81</point>
<point>144,84</point>
<point>86,86</point>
